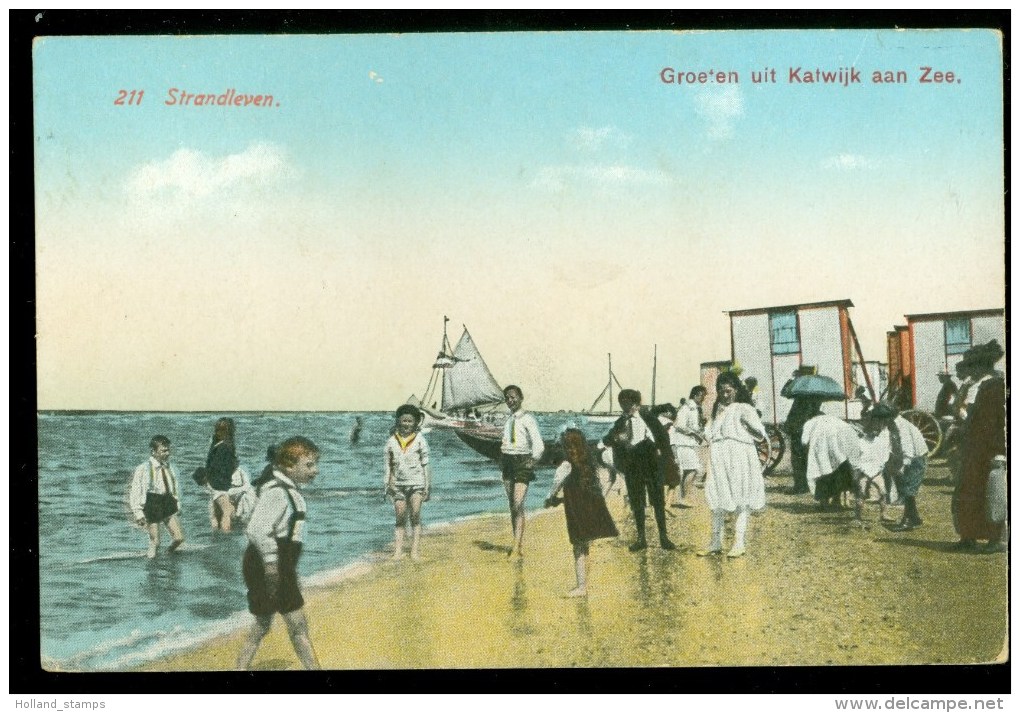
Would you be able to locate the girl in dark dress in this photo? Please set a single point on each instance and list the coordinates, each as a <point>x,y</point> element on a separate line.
<point>220,465</point>
<point>583,503</point>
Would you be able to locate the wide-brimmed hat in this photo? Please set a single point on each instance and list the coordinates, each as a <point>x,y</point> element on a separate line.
<point>983,354</point>
<point>883,410</point>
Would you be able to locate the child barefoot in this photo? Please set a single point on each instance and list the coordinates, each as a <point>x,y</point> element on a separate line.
<point>587,516</point>
<point>408,477</point>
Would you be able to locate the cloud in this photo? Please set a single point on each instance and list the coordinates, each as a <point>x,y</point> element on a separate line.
<point>558,178</point>
<point>849,162</point>
<point>586,138</point>
<point>720,108</point>
<point>191,173</point>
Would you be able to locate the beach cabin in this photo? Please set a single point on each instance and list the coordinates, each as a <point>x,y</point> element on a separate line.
<point>900,389</point>
<point>771,343</point>
<point>930,343</point>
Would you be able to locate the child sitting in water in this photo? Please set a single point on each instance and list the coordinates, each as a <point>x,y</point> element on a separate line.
<point>408,477</point>
<point>583,503</point>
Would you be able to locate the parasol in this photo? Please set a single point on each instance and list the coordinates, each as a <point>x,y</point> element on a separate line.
<point>816,386</point>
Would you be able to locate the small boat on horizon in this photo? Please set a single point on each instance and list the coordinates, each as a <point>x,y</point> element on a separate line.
<point>609,415</point>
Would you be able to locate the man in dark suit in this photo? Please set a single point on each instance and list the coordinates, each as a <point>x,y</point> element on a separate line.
<point>638,441</point>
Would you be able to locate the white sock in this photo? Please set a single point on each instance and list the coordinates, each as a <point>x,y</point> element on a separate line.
<point>718,523</point>
<point>741,528</point>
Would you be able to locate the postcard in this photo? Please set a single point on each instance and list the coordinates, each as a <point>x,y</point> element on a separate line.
<point>520,350</point>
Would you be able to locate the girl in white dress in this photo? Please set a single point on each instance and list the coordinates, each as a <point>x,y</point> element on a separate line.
<point>735,483</point>
<point>689,435</point>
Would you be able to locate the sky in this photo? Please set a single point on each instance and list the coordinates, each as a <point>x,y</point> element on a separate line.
<point>548,190</point>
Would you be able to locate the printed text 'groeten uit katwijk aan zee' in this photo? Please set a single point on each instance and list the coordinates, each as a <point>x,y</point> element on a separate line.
<point>799,75</point>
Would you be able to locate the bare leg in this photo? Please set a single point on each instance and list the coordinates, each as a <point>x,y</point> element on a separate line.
<point>415,516</point>
<point>861,489</point>
<point>226,512</point>
<point>176,532</point>
<point>517,508</point>
<point>883,501</point>
<point>153,528</point>
<point>297,627</point>
<point>580,570</point>
<point>685,480</point>
<point>508,486</point>
<point>256,633</point>
<point>400,511</point>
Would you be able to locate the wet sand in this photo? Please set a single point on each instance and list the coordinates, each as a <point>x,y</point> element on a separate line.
<point>811,590</point>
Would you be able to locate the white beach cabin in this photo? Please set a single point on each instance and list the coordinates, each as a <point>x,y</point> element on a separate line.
<point>770,343</point>
<point>935,342</point>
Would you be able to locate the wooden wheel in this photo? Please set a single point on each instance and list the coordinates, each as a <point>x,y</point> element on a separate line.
<point>770,451</point>
<point>929,427</point>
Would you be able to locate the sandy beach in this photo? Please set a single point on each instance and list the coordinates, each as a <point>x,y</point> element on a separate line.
<point>812,590</point>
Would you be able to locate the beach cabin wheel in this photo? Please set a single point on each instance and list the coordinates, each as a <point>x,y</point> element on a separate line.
<point>771,450</point>
<point>929,427</point>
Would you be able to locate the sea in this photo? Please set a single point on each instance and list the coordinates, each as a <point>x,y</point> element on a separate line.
<point>105,607</point>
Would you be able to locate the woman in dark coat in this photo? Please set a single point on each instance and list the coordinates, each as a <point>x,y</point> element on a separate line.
<point>982,452</point>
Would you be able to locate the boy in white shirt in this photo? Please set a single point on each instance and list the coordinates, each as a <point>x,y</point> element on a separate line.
<point>154,497</point>
<point>521,448</point>
<point>276,534</point>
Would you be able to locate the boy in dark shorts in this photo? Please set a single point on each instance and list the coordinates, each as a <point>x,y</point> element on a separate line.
<point>521,449</point>
<point>275,533</point>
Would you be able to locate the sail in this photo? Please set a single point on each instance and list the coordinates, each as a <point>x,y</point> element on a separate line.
<point>468,381</point>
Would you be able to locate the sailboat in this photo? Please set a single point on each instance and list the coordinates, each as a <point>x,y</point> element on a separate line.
<point>612,411</point>
<point>461,387</point>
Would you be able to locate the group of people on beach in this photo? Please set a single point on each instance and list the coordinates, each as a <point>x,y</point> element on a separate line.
<point>271,505</point>
<point>886,462</point>
<point>657,451</point>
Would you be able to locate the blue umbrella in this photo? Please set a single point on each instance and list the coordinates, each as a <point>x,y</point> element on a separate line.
<point>815,386</point>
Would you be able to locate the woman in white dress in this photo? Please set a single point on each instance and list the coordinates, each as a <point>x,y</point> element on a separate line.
<point>735,483</point>
<point>688,434</point>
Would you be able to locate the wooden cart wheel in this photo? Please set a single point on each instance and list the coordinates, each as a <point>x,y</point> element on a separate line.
<point>929,427</point>
<point>771,451</point>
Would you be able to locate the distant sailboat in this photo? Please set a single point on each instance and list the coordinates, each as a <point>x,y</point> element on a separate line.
<point>612,411</point>
<point>465,385</point>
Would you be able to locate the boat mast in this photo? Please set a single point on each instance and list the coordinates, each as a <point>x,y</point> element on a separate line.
<point>655,363</point>
<point>446,350</point>
<point>436,378</point>
<point>609,409</point>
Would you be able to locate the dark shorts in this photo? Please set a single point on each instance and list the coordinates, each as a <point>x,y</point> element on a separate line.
<point>518,468</point>
<point>158,507</point>
<point>288,596</point>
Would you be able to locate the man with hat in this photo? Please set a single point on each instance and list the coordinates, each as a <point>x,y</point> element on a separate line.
<point>979,501</point>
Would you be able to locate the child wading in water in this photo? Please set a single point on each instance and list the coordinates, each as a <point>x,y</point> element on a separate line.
<point>583,503</point>
<point>408,477</point>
